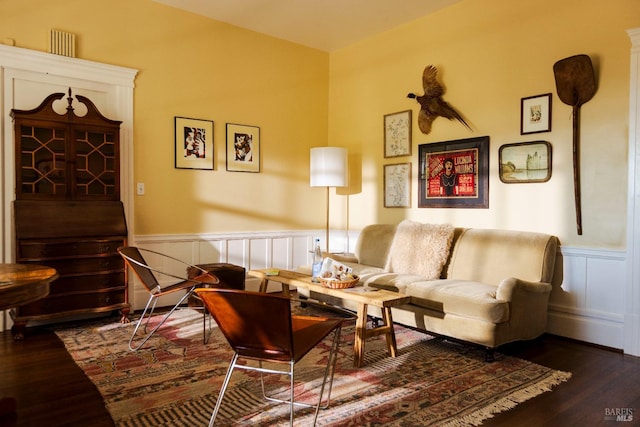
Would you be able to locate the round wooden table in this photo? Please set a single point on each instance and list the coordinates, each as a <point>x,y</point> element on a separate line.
<point>21,284</point>
<point>24,283</point>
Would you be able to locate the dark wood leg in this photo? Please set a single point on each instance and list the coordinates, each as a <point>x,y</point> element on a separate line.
<point>489,355</point>
<point>18,330</point>
<point>125,315</point>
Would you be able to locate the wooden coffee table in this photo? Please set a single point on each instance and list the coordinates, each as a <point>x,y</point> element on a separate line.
<point>379,298</point>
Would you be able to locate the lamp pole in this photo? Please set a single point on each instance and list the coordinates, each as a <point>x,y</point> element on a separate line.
<point>327,224</point>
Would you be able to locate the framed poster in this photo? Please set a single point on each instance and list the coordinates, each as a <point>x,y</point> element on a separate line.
<point>454,174</point>
<point>243,148</point>
<point>193,143</point>
<point>535,114</point>
<point>397,134</point>
<point>525,162</point>
<point>397,185</point>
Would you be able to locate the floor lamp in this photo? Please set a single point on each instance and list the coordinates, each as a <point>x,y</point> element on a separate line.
<point>328,169</point>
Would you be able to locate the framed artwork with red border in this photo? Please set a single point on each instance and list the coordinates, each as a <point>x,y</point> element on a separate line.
<point>454,174</point>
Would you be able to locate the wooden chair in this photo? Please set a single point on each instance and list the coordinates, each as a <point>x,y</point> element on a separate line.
<point>133,258</point>
<point>261,327</point>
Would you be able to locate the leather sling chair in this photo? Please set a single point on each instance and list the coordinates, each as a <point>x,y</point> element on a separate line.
<point>147,275</point>
<point>261,327</point>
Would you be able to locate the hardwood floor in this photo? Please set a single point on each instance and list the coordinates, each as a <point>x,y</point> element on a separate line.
<point>601,379</point>
<point>52,391</point>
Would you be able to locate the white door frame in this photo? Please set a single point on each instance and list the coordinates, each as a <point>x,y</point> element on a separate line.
<point>25,75</point>
<point>632,287</point>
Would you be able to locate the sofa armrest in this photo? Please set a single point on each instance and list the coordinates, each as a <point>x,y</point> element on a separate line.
<point>528,304</point>
<point>509,287</point>
<point>341,258</point>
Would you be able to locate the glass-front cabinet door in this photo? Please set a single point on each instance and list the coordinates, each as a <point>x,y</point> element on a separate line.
<point>66,157</point>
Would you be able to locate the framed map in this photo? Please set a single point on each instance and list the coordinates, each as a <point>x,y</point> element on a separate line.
<point>397,185</point>
<point>397,134</point>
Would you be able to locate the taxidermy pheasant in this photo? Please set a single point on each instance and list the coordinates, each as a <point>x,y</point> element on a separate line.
<point>431,102</point>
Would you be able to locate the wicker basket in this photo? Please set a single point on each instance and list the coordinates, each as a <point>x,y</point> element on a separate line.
<point>339,284</point>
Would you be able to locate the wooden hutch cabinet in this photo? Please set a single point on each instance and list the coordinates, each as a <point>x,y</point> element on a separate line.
<point>67,213</point>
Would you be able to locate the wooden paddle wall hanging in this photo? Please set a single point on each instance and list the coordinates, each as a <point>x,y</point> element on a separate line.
<point>576,84</point>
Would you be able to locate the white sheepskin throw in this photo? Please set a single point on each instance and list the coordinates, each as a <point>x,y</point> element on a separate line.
<point>420,249</point>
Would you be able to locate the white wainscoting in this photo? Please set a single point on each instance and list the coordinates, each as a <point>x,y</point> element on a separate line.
<point>588,306</point>
<point>286,250</point>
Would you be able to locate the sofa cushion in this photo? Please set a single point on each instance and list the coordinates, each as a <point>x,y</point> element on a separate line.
<point>372,247</point>
<point>489,256</point>
<point>420,249</point>
<point>461,297</point>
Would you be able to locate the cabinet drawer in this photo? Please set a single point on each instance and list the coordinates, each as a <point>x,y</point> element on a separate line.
<point>59,304</point>
<point>38,249</point>
<point>89,283</point>
<point>82,266</point>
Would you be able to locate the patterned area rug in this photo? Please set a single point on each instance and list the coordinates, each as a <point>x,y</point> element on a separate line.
<point>174,379</point>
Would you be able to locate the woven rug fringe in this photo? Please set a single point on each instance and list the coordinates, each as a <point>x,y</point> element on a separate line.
<point>477,417</point>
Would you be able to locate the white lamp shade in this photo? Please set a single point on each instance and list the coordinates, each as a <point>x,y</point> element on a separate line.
<point>329,167</point>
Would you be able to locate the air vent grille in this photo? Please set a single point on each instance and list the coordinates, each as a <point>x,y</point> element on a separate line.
<point>62,43</point>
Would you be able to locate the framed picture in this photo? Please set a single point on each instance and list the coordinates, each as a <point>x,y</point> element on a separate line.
<point>525,162</point>
<point>243,148</point>
<point>193,143</point>
<point>535,114</point>
<point>397,134</point>
<point>397,185</point>
<point>454,174</point>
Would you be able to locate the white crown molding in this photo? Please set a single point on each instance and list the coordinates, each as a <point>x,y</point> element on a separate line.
<point>27,59</point>
<point>634,35</point>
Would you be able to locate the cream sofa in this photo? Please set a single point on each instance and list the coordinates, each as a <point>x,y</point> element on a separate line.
<point>488,287</point>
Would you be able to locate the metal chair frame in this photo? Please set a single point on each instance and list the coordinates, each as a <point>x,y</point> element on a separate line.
<point>156,290</point>
<point>347,316</point>
<point>329,370</point>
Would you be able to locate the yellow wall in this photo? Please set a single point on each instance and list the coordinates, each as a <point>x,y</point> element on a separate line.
<point>194,67</point>
<point>490,54</point>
